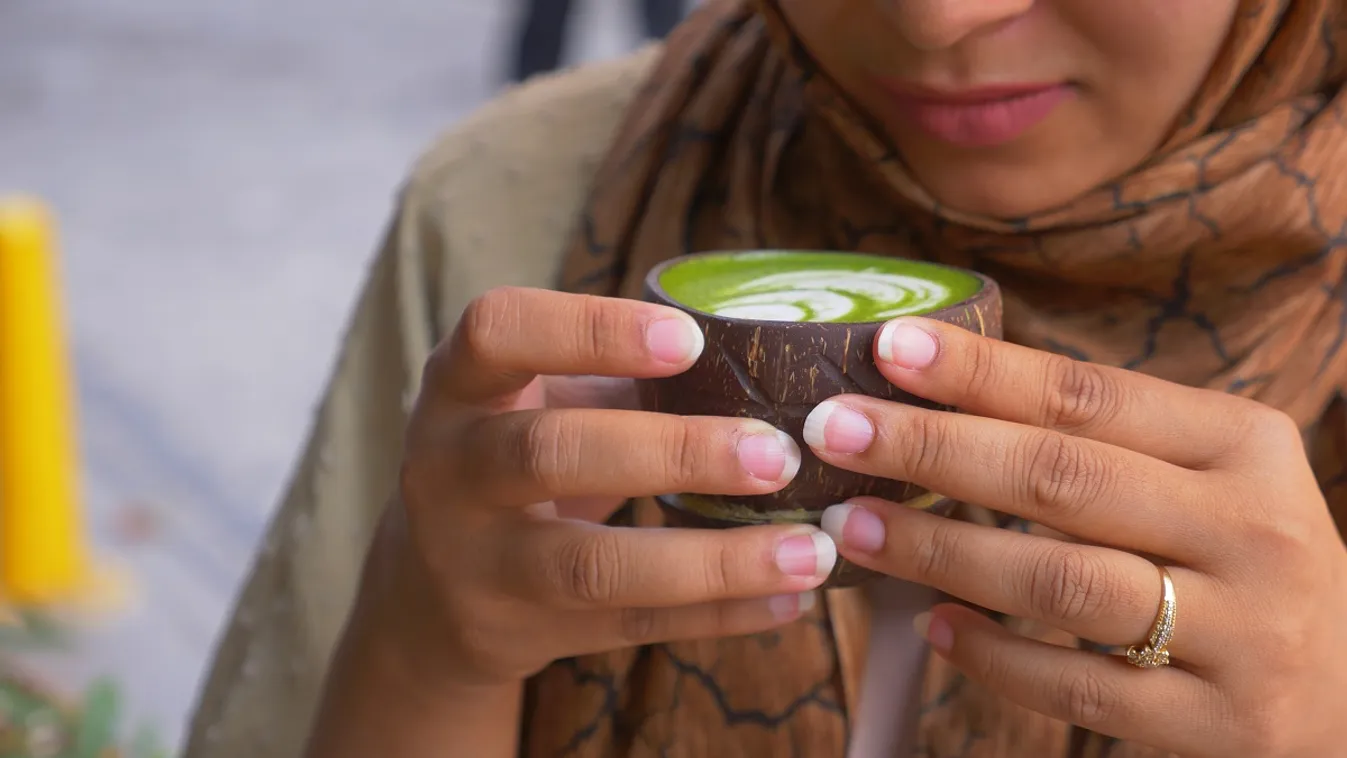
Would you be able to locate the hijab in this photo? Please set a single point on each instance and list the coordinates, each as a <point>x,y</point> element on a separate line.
<point>1218,262</point>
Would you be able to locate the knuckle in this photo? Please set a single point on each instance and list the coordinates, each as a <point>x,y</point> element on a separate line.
<point>1283,542</point>
<point>475,634</point>
<point>938,554</point>
<point>1269,429</point>
<point>590,569</point>
<point>1086,699</point>
<point>993,670</point>
<point>484,645</point>
<point>682,451</point>
<point>923,443</point>
<point>474,643</point>
<point>980,371</point>
<point>1080,395</point>
<point>483,320</point>
<point>721,572</point>
<point>437,366</point>
<point>1061,475</point>
<point>1287,642</point>
<point>1068,584</point>
<point>593,334</point>
<point>547,453</point>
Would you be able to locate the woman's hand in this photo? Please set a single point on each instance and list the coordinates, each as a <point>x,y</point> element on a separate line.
<point>1140,472</point>
<point>497,562</point>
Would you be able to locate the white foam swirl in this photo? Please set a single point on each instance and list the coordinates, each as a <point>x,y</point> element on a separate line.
<point>830,295</point>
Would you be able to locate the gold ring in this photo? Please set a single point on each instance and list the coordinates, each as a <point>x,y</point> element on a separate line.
<point>1155,654</point>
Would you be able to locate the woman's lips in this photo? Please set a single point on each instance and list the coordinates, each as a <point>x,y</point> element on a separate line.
<point>981,117</point>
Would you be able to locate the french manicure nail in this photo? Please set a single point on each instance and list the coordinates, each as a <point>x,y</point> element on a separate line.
<point>904,344</point>
<point>937,632</point>
<point>771,456</point>
<point>834,428</point>
<point>674,340</point>
<point>810,554</point>
<point>854,527</point>
<point>791,607</point>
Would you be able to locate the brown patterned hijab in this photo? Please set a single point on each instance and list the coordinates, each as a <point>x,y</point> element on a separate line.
<point>1217,263</point>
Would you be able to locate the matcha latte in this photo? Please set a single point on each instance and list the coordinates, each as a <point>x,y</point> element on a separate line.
<point>817,287</point>
<point>784,331</point>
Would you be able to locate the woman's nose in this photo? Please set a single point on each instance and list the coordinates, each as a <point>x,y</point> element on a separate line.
<point>939,24</point>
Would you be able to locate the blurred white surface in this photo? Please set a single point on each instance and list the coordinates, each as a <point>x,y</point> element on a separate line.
<point>222,173</point>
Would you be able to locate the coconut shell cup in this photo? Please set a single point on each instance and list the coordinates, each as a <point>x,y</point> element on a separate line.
<point>778,372</point>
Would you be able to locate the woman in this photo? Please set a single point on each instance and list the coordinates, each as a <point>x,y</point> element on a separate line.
<point>1156,187</point>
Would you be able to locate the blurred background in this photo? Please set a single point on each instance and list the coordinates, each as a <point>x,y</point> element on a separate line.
<point>220,174</point>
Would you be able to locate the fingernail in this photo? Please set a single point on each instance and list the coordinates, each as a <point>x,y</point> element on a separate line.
<point>810,554</point>
<point>936,631</point>
<point>770,456</point>
<point>854,527</point>
<point>791,607</point>
<point>674,340</point>
<point>835,428</point>
<point>905,344</point>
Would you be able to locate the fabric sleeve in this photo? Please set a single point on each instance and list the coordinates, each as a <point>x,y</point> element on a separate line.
<point>489,204</point>
<point>262,686</point>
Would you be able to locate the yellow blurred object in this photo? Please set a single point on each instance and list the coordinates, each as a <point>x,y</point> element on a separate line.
<point>43,550</point>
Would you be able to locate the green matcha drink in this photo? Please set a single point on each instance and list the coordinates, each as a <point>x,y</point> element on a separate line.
<point>815,287</point>
<point>784,331</point>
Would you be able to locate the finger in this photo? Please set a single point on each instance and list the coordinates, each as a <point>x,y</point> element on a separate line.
<point>575,565</point>
<point>1165,708</point>
<point>593,509</point>
<point>601,631</point>
<point>1104,595</point>
<point>582,392</point>
<point>590,392</point>
<point>509,335</point>
<point>531,456</point>
<point>1089,489</point>
<point>1183,425</point>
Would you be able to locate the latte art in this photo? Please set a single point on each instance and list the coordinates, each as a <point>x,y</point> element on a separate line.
<point>813,286</point>
<point>830,295</point>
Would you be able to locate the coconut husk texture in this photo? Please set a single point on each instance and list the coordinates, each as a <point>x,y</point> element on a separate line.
<point>778,372</point>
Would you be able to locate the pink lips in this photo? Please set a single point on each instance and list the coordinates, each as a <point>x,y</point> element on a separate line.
<point>982,117</point>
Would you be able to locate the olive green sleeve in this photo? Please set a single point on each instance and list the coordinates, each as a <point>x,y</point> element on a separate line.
<point>491,203</point>
<point>263,684</point>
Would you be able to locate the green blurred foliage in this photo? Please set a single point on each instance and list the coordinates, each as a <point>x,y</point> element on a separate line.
<point>36,722</point>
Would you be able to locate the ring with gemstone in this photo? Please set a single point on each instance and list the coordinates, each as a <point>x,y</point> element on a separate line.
<point>1154,653</point>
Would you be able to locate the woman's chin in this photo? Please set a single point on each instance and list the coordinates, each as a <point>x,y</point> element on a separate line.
<point>1043,170</point>
<point>1000,192</point>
